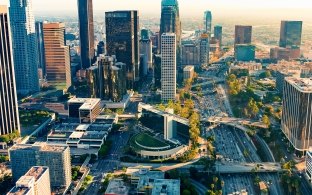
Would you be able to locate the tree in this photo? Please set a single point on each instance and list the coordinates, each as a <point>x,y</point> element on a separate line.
<point>186,192</point>
<point>266,120</point>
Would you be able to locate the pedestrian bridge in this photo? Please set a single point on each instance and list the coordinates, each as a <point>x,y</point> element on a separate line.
<point>235,122</point>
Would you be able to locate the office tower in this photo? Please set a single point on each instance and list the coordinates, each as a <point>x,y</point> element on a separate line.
<point>106,79</point>
<point>25,46</point>
<point>243,34</point>
<point>218,34</point>
<point>100,48</point>
<point>123,42</point>
<point>190,54</point>
<point>35,182</point>
<point>57,158</point>
<point>188,72</point>
<point>297,112</point>
<point>9,118</point>
<point>290,36</point>
<point>40,48</point>
<point>245,52</point>
<point>168,66</point>
<point>207,22</point>
<point>204,50</point>
<point>170,23</point>
<point>56,55</point>
<point>145,34</point>
<point>146,53</point>
<point>86,32</point>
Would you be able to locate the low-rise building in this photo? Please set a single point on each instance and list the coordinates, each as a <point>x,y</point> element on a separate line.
<point>117,187</point>
<point>245,68</point>
<point>86,109</point>
<point>188,72</point>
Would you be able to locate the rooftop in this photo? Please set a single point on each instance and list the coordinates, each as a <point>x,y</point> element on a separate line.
<point>117,186</point>
<point>188,68</point>
<point>18,191</point>
<point>302,84</point>
<point>39,146</point>
<point>166,186</point>
<point>87,103</point>
<point>36,172</point>
<point>156,111</point>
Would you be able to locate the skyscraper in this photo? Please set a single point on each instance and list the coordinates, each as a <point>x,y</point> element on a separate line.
<point>100,48</point>
<point>24,46</point>
<point>296,119</point>
<point>170,23</point>
<point>56,54</point>
<point>218,34</point>
<point>40,47</point>
<point>243,34</point>
<point>190,53</point>
<point>122,40</point>
<point>168,66</point>
<point>86,32</point>
<point>146,52</point>
<point>208,22</point>
<point>204,50</point>
<point>9,119</point>
<point>57,158</point>
<point>290,36</point>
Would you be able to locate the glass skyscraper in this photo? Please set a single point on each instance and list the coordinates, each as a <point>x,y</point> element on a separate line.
<point>86,33</point>
<point>243,34</point>
<point>9,119</point>
<point>208,22</point>
<point>122,40</point>
<point>290,35</point>
<point>24,46</point>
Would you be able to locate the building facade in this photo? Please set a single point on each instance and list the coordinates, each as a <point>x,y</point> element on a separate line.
<point>204,50</point>
<point>297,112</point>
<point>245,52</point>
<point>290,35</point>
<point>9,117</point>
<point>86,32</point>
<point>41,53</point>
<point>168,67</point>
<point>56,54</point>
<point>170,23</point>
<point>208,22</point>
<point>243,34</point>
<point>122,41</point>
<point>57,158</point>
<point>218,34</point>
<point>190,54</point>
<point>308,170</point>
<point>146,55</point>
<point>24,45</point>
<point>188,72</point>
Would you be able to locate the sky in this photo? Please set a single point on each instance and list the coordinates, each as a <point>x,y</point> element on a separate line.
<point>188,8</point>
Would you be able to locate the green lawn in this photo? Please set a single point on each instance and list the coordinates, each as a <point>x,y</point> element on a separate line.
<point>149,141</point>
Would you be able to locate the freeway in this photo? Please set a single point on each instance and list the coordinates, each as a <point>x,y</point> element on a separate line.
<point>248,168</point>
<point>200,188</point>
<point>235,121</point>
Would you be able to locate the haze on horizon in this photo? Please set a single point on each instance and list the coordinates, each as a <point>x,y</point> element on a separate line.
<point>247,9</point>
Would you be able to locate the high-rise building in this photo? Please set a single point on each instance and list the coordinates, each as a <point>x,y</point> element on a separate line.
<point>208,22</point>
<point>24,46</point>
<point>86,32</point>
<point>122,41</point>
<point>9,118</point>
<point>146,53</point>
<point>168,66</point>
<point>57,158</point>
<point>106,79</point>
<point>290,36</point>
<point>243,34</point>
<point>297,112</point>
<point>35,182</point>
<point>170,23</point>
<point>40,47</point>
<point>218,34</point>
<point>190,54</point>
<point>308,170</point>
<point>56,54</point>
<point>204,50</point>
